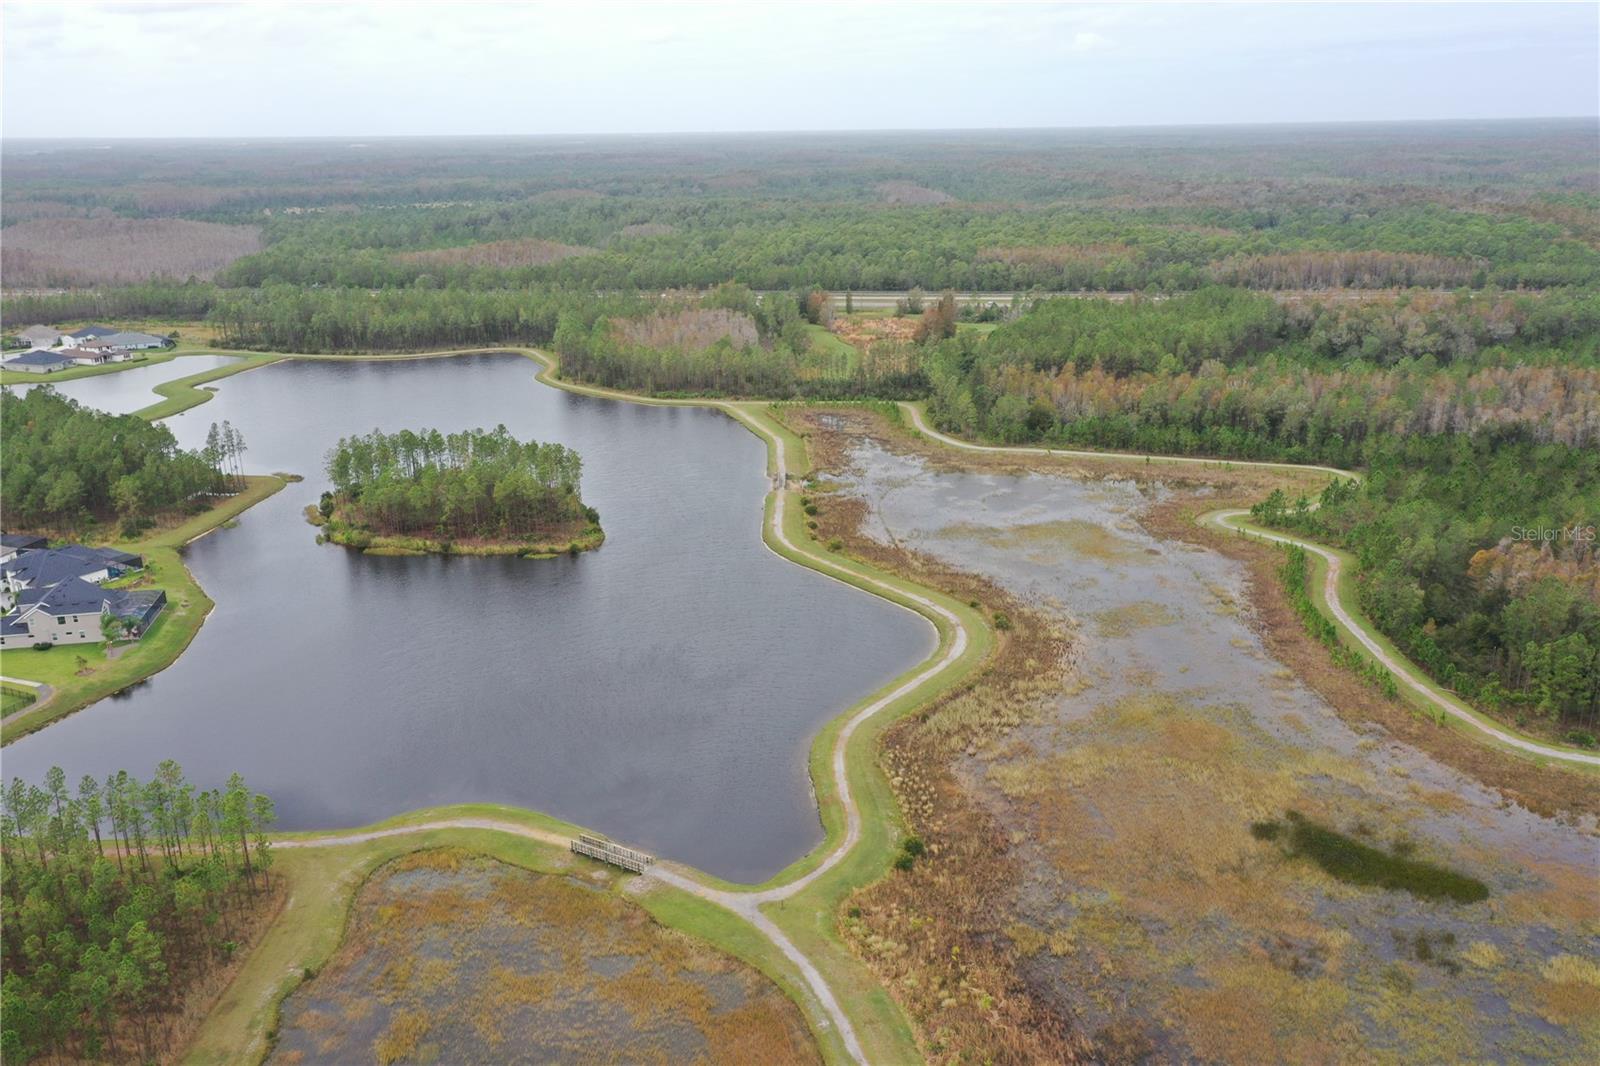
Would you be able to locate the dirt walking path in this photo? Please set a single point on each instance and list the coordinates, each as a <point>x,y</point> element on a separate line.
<point>1406,672</point>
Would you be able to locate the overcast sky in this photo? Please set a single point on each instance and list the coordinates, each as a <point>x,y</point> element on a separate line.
<point>299,69</point>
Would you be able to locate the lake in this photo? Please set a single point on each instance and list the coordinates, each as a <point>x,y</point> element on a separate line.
<point>127,391</point>
<point>663,689</point>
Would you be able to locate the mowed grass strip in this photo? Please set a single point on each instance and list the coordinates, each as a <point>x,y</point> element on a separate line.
<point>323,882</point>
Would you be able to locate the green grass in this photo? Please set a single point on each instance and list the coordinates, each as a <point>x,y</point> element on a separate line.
<point>1317,584</point>
<point>825,342</point>
<point>323,883</point>
<point>14,698</point>
<point>183,393</point>
<point>1346,859</point>
<point>151,358</point>
<point>174,628</point>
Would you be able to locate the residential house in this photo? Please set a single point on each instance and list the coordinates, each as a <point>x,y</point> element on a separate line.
<point>53,595</point>
<point>43,567</point>
<point>13,543</point>
<point>87,333</point>
<point>41,336</point>
<point>136,341</point>
<point>37,361</point>
<point>72,612</point>
<point>89,353</point>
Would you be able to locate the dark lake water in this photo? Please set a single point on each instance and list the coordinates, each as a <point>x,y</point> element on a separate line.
<point>128,391</point>
<point>664,689</point>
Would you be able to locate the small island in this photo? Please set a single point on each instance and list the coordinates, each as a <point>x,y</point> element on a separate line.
<point>477,492</point>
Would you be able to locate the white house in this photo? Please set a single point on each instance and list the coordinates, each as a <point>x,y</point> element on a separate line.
<point>89,353</point>
<point>87,333</point>
<point>66,613</point>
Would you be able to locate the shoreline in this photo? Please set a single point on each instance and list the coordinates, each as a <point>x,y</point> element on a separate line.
<point>860,817</point>
<point>188,607</point>
<point>336,531</point>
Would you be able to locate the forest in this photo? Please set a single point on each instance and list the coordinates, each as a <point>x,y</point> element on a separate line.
<point>476,483</point>
<point>121,899</point>
<point>1477,556</point>
<point>1414,300</point>
<point>65,466</point>
<point>1453,407</point>
<point>730,342</point>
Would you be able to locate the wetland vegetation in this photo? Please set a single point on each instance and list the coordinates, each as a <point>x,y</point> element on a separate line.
<point>1077,877</point>
<point>450,956</point>
<point>1112,783</point>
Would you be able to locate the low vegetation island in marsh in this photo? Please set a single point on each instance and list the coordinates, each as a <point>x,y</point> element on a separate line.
<point>477,492</point>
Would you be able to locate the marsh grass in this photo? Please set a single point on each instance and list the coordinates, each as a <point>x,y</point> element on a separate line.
<point>934,931</point>
<point>454,957</point>
<point>1347,859</point>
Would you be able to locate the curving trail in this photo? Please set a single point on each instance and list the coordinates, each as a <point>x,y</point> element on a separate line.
<point>41,696</point>
<point>1403,671</point>
<point>1229,520</point>
<point>747,905</point>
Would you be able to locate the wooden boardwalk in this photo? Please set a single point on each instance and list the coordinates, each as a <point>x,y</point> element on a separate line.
<point>615,854</point>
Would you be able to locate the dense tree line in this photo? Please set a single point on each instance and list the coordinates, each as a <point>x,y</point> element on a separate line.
<point>781,245</point>
<point>1477,555</point>
<point>1230,373</point>
<point>473,483</point>
<point>1475,420</point>
<point>1454,329</point>
<point>729,343</point>
<point>1224,325</point>
<point>117,898</point>
<point>64,464</point>
<point>152,299</point>
<point>293,319</point>
<point>1278,408</point>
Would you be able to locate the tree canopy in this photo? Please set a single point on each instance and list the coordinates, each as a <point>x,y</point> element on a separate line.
<point>472,483</point>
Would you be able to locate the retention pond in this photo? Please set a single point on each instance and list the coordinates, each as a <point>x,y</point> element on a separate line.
<point>664,689</point>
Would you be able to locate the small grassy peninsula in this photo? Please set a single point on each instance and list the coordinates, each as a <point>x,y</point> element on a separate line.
<point>477,492</point>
